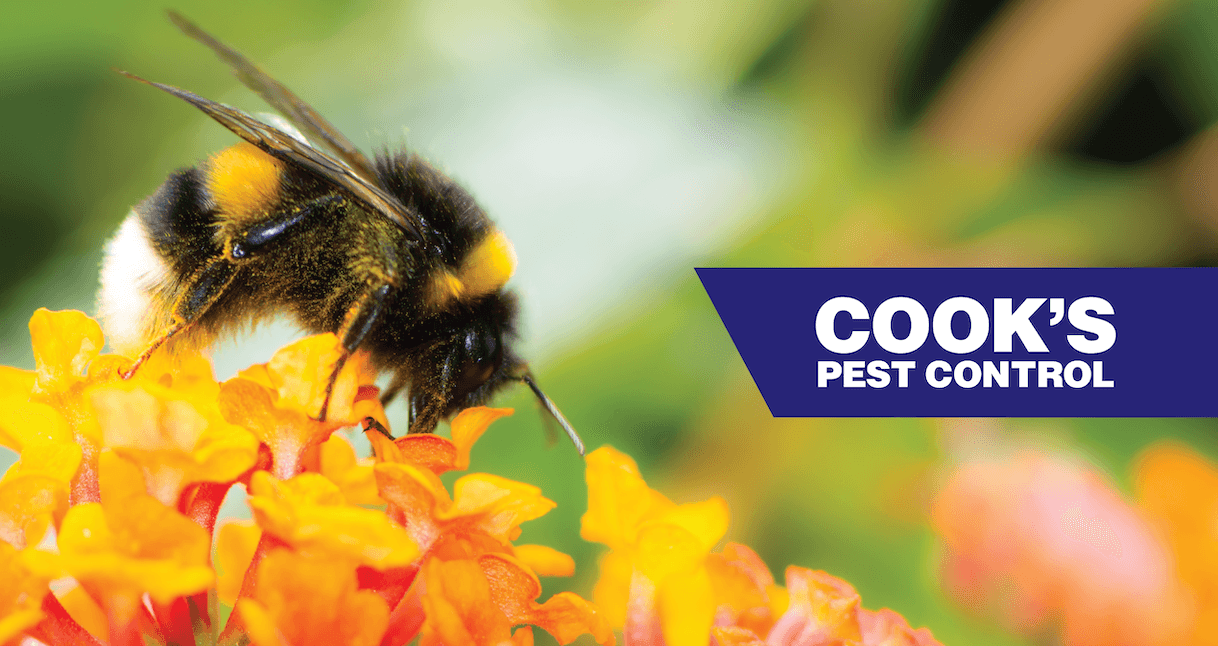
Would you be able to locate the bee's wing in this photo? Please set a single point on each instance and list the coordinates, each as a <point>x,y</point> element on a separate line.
<point>291,150</point>
<point>301,114</point>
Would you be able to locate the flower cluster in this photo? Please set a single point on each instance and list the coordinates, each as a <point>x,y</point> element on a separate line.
<point>129,476</point>
<point>108,523</point>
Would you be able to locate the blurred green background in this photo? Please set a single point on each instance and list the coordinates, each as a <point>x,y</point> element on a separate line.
<point>620,145</point>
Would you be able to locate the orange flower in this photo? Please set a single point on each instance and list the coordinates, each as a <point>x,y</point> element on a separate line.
<point>1178,489</point>
<point>311,600</point>
<point>278,400</point>
<point>476,583</point>
<point>484,508</point>
<point>435,453</point>
<point>477,602</point>
<point>1054,535</point>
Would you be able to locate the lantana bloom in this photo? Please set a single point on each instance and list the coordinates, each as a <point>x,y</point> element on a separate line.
<point>118,486</point>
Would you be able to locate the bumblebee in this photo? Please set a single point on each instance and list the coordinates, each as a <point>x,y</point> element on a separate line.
<point>389,253</point>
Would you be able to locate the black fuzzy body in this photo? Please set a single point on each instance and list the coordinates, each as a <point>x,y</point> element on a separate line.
<point>449,356</point>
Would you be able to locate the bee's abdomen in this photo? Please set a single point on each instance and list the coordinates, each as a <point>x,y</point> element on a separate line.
<point>180,221</point>
<point>164,239</point>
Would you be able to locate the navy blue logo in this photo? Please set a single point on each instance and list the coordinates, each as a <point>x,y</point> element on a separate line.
<point>975,342</point>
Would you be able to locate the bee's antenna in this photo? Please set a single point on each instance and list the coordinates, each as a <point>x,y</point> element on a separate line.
<point>553,410</point>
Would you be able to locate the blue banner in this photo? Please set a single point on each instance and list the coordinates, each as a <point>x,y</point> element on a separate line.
<point>1139,342</point>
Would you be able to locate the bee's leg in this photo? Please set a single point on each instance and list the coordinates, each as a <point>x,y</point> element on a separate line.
<point>370,424</point>
<point>278,226</point>
<point>360,320</point>
<point>203,289</point>
<point>426,408</point>
<point>413,411</point>
<point>208,284</point>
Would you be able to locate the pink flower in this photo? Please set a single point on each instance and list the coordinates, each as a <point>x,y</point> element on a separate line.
<point>1037,538</point>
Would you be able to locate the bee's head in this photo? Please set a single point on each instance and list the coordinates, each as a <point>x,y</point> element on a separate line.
<point>472,362</point>
<point>478,361</point>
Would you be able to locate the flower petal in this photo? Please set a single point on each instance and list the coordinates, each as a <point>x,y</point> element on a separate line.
<point>458,607</point>
<point>176,440</point>
<point>136,547</point>
<point>353,477</point>
<point>64,344</point>
<point>301,371</point>
<point>501,504</point>
<point>22,593</point>
<point>302,600</point>
<point>734,636</point>
<point>618,499</point>
<point>85,611</point>
<point>437,453</point>
<point>565,615</point>
<point>822,607</point>
<point>24,422</point>
<point>544,560</point>
<point>309,513</point>
<point>468,426</point>
<point>687,608</point>
<point>236,542</point>
<point>887,628</point>
<point>34,491</point>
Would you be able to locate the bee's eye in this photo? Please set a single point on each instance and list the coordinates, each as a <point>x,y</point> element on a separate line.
<point>482,347</point>
<point>483,355</point>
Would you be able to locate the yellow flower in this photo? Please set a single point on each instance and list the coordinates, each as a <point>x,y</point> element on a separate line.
<point>309,513</point>
<point>278,401</point>
<point>175,440</point>
<point>659,551</point>
<point>662,584</point>
<point>21,594</point>
<point>34,491</point>
<point>353,476</point>
<point>475,584</point>
<point>311,600</point>
<point>121,551</point>
<point>23,422</point>
<point>67,355</point>
<point>236,542</point>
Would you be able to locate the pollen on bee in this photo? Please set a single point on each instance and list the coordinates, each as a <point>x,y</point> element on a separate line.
<point>243,180</point>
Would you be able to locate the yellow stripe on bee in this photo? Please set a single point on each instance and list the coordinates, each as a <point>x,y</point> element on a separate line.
<point>243,180</point>
<point>486,269</point>
<point>489,266</point>
<point>444,287</point>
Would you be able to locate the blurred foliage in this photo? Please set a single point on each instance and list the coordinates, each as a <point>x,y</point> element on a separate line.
<point>835,94</point>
